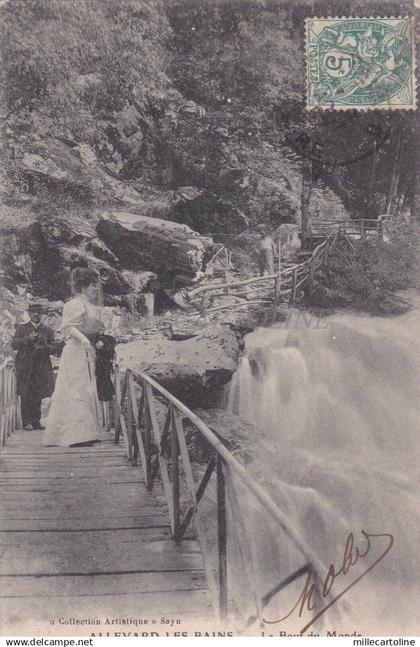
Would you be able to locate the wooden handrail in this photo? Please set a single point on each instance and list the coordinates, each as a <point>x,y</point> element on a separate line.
<point>297,274</point>
<point>138,424</point>
<point>233,284</point>
<point>10,417</point>
<point>159,447</point>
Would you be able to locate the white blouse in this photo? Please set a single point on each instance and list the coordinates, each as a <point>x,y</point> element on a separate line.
<point>82,314</point>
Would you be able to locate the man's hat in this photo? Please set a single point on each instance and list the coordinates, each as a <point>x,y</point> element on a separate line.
<point>34,307</point>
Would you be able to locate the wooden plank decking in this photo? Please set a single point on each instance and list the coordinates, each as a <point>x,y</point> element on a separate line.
<point>80,537</point>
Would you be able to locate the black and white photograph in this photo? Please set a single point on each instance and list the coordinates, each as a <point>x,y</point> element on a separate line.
<point>209,318</point>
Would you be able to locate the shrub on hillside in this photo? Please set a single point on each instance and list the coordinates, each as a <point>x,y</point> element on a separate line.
<point>368,274</point>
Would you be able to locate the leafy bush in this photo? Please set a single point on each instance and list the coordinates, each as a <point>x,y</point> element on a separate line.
<point>369,275</point>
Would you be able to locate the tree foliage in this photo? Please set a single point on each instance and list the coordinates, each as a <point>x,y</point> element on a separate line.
<point>204,92</point>
<point>83,65</point>
<point>369,275</point>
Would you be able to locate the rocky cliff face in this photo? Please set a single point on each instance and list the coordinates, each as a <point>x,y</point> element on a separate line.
<point>129,147</point>
<point>61,206</point>
<point>128,250</point>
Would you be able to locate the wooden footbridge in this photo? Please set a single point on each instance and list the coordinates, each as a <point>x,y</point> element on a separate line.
<point>128,528</point>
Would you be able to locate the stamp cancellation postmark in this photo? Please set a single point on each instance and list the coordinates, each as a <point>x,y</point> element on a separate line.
<point>360,63</point>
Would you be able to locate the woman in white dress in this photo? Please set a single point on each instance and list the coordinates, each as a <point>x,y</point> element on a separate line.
<point>75,413</point>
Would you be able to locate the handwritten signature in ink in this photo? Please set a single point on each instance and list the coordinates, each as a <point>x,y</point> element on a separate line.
<point>310,598</point>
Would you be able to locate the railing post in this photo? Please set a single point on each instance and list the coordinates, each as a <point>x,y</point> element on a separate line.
<point>226,290</point>
<point>362,228</point>
<point>5,409</point>
<point>277,281</point>
<point>380,228</point>
<point>147,439</point>
<point>129,418</point>
<point>8,401</point>
<point>222,539</point>
<point>18,413</point>
<point>14,415</point>
<point>117,403</point>
<point>175,477</point>
<point>294,284</point>
<point>2,418</point>
<point>204,303</point>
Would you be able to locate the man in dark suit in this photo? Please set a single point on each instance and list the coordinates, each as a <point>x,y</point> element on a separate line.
<point>34,343</point>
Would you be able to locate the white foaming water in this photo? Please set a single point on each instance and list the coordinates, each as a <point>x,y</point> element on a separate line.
<point>336,411</point>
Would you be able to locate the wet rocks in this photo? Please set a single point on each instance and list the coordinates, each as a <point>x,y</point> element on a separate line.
<point>193,369</point>
<point>233,432</point>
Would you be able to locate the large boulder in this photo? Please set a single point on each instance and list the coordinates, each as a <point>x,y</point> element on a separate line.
<point>193,369</point>
<point>173,251</point>
<point>133,254</point>
<point>38,253</point>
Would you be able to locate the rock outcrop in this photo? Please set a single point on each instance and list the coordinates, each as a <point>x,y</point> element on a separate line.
<point>133,254</point>
<point>173,251</point>
<point>193,369</point>
<point>206,212</point>
<point>38,254</point>
<point>67,169</point>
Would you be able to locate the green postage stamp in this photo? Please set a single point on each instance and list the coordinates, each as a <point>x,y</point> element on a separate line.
<point>360,63</point>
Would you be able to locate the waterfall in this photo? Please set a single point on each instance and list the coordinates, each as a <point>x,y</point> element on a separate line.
<point>336,411</point>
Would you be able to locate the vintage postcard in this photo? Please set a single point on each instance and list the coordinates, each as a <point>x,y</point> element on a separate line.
<point>209,319</point>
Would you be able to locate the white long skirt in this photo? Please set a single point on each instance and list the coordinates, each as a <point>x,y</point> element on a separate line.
<point>74,415</point>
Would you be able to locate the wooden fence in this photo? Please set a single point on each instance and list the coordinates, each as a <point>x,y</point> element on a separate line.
<point>223,256</point>
<point>360,228</point>
<point>284,285</point>
<point>289,279</point>
<point>10,418</point>
<point>152,423</point>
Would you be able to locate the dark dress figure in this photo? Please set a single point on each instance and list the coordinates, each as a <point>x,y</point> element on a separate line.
<point>34,343</point>
<point>105,352</point>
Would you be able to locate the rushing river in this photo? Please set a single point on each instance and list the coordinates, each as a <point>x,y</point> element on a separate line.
<point>336,408</point>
